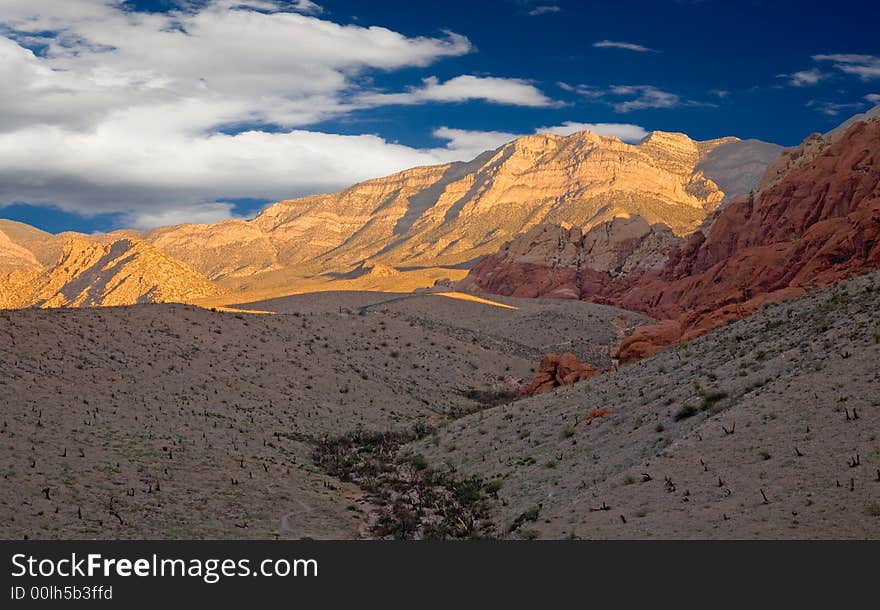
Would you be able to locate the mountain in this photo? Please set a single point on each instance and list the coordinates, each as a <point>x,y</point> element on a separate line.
<point>815,221</point>
<point>414,227</point>
<point>555,262</point>
<point>122,272</point>
<point>448,215</point>
<point>817,226</point>
<point>29,245</point>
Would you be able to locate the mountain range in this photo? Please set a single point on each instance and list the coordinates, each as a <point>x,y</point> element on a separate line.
<point>402,231</point>
<point>814,221</point>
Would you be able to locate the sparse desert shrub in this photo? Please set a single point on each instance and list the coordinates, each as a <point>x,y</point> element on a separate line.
<point>529,515</point>
<point>711,398</point>
<point>415,501</point>
<point>494,486</point>
<point>685,412</point>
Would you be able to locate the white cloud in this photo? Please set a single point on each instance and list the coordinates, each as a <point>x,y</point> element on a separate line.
<point>645,96</point>
<point>154,178</point>
<point>873,98</point>
<point>512,91</point>
<point>626,98</point>
<point>238,63</point>
<point>833,108</point>
<point>308,7</point>
<point>866,67</point>
<point>584,90</point>
<point>544,10</point>
<point>200,213</point>
<point>629,46</point>
<point>624,131</point>
<point>804,78</point>
<point>125,112</point>
<point>471,143</point>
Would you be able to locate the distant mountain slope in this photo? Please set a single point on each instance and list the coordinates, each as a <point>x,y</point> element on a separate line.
<point>44,247</point>
<point>14,257</point>
<point>425,220</point>
<point>447,215</point>
<point>817,226</point>
<point>815,221</point>
<point>551,261</point>
<point>122,272</point>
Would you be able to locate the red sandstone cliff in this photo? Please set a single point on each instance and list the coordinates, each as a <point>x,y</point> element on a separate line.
<point>814,225</point>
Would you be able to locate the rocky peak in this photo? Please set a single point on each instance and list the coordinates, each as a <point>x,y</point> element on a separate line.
<point>120,272</point>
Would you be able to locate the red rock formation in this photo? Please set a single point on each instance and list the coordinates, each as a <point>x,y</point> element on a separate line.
<point>818,225</point>
<point>597,414</point>
<point>815,224</point>
<point>554,262</point>
<point>557,371</point>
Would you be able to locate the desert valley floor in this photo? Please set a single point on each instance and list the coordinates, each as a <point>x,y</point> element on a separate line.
<point>356,414</point>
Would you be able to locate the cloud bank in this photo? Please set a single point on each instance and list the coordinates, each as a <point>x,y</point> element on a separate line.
<point>148,114</point>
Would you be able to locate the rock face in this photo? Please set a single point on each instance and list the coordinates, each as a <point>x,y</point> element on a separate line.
<point>448,215</point>
<point>14,257</point>
<point>818,225</point>
<point>437,220</point>
<point>815,222</point>
<point>444,217</point>
<point>122,272</point>
<point>557,371</point>
<point>554,262</point>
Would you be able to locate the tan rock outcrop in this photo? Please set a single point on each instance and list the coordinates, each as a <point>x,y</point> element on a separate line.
<point>448,215</point>
<point>122,272</point>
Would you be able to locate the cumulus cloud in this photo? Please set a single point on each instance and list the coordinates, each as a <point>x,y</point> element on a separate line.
<point>512,91</point>
<point>239,63</point>
<point>474,142</point>
<point>156,177</point>
<point>629,46</point>
<point>471,143</point>
<point>866,67</point>
<point>106,110</point>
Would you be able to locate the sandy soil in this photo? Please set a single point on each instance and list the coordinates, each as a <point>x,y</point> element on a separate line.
<point>172,421</point>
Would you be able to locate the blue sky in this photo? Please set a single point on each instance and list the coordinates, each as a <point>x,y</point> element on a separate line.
<point>151,111</point>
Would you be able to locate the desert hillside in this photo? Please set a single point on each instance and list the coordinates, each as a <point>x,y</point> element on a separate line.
<point>173,421</point>
<point>784,404</point>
